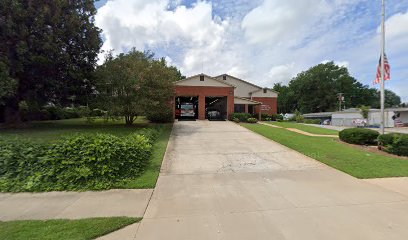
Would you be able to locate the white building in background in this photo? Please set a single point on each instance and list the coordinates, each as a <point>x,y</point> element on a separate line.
<point>394,117</point>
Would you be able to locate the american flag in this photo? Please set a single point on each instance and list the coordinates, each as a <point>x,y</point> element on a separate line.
<point>387,68</point>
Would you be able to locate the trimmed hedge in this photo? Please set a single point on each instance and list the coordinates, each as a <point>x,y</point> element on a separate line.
<point>80,162</point>
<point>312,121</point>
<point>395,143</point>
<point>360,136</point>
<point>241,116</point>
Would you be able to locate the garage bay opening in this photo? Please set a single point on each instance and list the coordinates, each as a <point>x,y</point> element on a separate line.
<point>186,108</point>
<point>216,108</point>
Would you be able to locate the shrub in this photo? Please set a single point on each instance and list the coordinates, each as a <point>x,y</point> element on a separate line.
<point>150,133</point>
<point>360,136</point>
<point>235,120</point>
<point>312,121</point>
<point>267,117</point>
<point>299,119</point>
<point>264,117</point>
<point>278,117</point>
<point>386,139</point>
<point>79,162</point>
<point>395,143</point>
<point>161,115</point>
<point>274,117</point>
<point>252,120</point>
<point>32,113</point>
<point>241,116</point>
<point>20,163</point>
<point>96,161</point>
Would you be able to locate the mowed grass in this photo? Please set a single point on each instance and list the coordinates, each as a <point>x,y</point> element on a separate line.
<point>354,161</point>
<point>305,128</point>
<point>51,131</point>
<point>62,229</point>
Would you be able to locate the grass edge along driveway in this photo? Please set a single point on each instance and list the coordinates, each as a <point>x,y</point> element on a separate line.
<point>61,229</point>
<point>149,177</point>
<point>305,128</point>
<point>356,162</point>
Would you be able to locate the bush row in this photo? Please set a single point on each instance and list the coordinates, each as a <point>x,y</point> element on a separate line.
<point>243,117</point>
<point>312,121</point>
<point>52,113</point>
<point>271,117</point>
<point>395,143</point>
<point>80,162</point>
<point>360,136</point>
<point>57,113</point>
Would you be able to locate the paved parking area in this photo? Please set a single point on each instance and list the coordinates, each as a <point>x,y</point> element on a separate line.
<point>222,181</point>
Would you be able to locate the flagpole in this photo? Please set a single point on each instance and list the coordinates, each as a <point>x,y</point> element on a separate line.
<point>382,65</point>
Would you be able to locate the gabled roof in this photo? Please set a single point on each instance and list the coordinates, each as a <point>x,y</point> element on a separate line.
<point>239,79</point>
<point>205,75</point>
<point>263,89</point>
<point>249,101</point>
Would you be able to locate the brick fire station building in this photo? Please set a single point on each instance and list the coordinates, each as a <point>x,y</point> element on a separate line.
<point>204,95</point>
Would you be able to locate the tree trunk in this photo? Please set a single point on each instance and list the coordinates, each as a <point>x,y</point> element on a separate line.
<point>12,113</point>
<point>129,120</point>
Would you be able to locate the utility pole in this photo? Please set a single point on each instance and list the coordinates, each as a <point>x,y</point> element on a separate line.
<point>340,100</point>
<point>382,65</point>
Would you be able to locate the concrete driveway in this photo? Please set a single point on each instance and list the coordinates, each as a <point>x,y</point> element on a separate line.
<point>222,181</point>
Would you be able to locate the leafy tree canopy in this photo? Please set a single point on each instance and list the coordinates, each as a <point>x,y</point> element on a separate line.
<point>135,83</point>
<point>48,52</point>
<point>317,90</point>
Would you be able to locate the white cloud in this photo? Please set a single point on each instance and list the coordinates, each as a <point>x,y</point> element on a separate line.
<point>263,41</point>
<point>283,22</point>
<point>281,74</point>
<point>397,26</point>
<point>148,24</point>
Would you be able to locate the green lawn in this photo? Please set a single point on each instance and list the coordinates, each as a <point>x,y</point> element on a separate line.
<point>305,128</point>
<point>62,229</point>
<point>51,131</point>
<point>354,161</point>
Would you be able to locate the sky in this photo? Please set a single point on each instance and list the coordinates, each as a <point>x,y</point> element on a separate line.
<point>261,41</point>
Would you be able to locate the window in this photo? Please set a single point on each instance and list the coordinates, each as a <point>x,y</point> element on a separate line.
<point>239,108</point>
<point>265,90</point>
<point>224,77</point>
<point>201,77</point>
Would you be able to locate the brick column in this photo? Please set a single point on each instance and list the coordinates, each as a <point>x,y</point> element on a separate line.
<point>201,107</point>
<point>246,108</point>
<point>259,113</point>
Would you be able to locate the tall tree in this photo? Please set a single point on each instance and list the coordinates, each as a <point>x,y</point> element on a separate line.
<point>318,88</point>
<point>391,99</point>
<point>135,83</point>
<point>286,101</point>
<point>48,50</point>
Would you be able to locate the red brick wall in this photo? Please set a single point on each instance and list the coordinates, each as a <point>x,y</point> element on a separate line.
<point>203,92</point>
<point>269,105</point>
